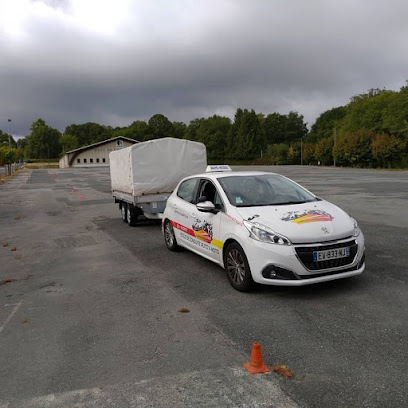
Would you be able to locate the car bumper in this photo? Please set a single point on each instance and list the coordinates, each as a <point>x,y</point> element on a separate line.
<point>282,266</point>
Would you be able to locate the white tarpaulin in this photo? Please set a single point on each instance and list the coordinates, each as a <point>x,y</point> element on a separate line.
<point>155,166</point>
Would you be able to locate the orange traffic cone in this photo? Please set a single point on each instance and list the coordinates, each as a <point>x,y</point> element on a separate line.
<point>80,196</point>
<point>255,365</point>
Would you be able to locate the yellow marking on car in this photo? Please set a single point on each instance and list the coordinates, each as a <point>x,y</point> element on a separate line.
<point>216,243</point>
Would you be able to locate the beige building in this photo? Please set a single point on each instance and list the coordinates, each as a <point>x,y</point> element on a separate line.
<point>96,154</point>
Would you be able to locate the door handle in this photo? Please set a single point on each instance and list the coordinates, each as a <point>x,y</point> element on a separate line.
<point>193,215</point>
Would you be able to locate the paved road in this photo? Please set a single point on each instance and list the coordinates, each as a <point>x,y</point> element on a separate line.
<point>92,318</point>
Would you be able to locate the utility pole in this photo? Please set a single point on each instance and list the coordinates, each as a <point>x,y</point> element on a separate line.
<point>8,131</point>
<point>334,150</point>
<point>301,151</point>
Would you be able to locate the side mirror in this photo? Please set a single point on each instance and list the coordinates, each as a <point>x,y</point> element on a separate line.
<point>206,206</point>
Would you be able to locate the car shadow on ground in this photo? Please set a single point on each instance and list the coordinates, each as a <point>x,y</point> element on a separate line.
<point>315,291</point>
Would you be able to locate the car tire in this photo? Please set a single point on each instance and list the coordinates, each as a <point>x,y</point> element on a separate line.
<point>237,268</point>
<point>123,211</point>
<point>131,216</point>
<point>169,237</point>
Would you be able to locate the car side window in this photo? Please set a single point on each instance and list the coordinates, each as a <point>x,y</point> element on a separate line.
<point>219,205</point>
<point>209,191</point>
<point>186,190</point>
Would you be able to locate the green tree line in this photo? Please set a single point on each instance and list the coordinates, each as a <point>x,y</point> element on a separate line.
<point>370,131</point>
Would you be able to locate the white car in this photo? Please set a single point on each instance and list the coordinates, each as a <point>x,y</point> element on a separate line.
<point>263,227</point>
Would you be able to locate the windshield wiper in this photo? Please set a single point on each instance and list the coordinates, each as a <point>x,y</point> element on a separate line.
<point>267,204</point>
<point>253,205</point>
<point>293,202</point>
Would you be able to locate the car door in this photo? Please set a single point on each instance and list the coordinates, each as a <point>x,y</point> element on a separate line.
<point>181,205</point>
<point>206,225</point>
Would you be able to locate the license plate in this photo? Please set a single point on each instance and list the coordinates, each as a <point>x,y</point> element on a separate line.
<point>337,253</point>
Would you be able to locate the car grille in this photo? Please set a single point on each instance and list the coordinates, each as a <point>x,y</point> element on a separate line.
<point>305,255</point>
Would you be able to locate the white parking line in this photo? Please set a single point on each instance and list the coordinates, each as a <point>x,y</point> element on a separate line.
<point>16,306</point>
<point>234,388</point>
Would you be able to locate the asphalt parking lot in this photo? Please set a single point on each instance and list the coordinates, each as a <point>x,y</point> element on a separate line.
<point>89,307</point>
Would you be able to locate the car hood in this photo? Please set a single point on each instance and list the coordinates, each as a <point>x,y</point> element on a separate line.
<point>302,223</point>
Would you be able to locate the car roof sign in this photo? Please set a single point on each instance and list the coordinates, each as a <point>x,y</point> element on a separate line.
<point>217,167</point>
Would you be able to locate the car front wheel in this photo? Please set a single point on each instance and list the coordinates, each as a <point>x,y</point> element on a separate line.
<point>237,268</point>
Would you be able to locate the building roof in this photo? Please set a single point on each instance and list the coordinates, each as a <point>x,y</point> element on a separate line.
<point>83,148</point>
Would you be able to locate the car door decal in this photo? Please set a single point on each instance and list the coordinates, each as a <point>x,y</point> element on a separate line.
<point>200,235</point>
<point>203,230</point>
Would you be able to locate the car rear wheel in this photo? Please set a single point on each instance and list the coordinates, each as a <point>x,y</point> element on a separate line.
<point>169,236</point>
<point>237,268</point>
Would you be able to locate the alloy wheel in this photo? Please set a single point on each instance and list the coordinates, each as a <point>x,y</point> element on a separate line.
<point>236,266</point>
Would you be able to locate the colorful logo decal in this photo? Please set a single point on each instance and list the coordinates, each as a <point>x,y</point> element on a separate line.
<point>303,217</point>
<point>203,230</point>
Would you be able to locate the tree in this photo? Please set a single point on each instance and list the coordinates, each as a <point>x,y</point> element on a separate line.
<point>294,153</point>
<point>246,138</point>
<point>213,132</point>
<point>8,156</point>
<point>160,126</point>
<point>395,115</point>
<point>43,142</point>
<point>308,153</point>
<point>279,128</point>
<point>295,127</point>
<point>4,140</point>
<point>22,142</point>
<point>19,154</point>
<point>232,134</point>
<point>138,130</point>
<point>192,131</point>
<point>387,150</point>
<point>274,126</point>
<point>278,153</point>
<point>365,111</point>
<point>354,148</point>
<point>324,151</point>
<point>325,123</point>
<point>179,130</point>
<point>68,142</point>
<point>89,133</point>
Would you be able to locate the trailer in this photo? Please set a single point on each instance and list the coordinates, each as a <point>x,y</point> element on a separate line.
<point>144,175</point>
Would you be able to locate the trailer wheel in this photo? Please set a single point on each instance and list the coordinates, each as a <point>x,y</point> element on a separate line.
<point>123,211</point>
<point>131,215</point>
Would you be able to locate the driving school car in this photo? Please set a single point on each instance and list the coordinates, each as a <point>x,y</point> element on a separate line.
<point>262,227</point>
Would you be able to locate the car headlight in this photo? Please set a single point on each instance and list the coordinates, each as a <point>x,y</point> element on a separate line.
<point>357,230</point>
<point>265,234</point>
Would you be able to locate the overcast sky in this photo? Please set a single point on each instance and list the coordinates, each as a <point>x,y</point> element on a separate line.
<point>117,61</point>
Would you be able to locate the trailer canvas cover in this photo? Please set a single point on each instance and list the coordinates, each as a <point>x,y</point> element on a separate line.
<point>155,166</point>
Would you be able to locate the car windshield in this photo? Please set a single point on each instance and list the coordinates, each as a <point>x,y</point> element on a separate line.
<point>261,190</point>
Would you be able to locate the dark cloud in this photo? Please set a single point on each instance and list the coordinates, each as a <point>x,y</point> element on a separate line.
<point>70,64</point>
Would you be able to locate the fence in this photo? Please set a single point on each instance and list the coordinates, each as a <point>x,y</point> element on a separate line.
<point>9,169</point>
